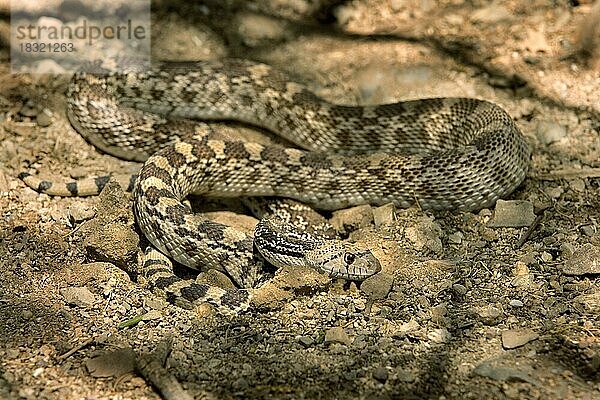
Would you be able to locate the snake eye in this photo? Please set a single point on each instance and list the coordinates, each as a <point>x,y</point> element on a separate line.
<point>349,258</point>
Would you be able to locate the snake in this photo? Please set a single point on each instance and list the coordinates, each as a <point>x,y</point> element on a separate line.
<point>460,154</point>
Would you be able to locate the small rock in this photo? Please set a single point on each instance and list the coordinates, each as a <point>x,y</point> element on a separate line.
<point>439,335</point>
<point>513,338</point>
<point>351,219</point>
<point>378,286</point>
<point>501,373</point>
<point>455,238</point>
<point>546,257</point>
<point>29,109</point>
<point>523,278</point>
<point>555,193</point>
<point>512,214</point>
<point>241,384</point>
<point>212,277</point>
<point>44,118</point>
<point>381,374</point>
<point>386,214</point>
<point>590,302</point>
<point>27,314</point>
<point>588,230</point>
<point>80,211</point>
<point>585,260</point>
<point>577,185</point>
<point>337,335</point>
<point>256,28</point>
<point>112,364</point>
<point>549,132</point>
<point>425,233</point>
<point>515,303</point>
<point>536,41</point>
<point>306,341</point>
<point>491,14</point>
<point>115,243</point>
<point>152,314</point>
<point>459,290</point>
<point>79,296</point>
<point>397,5</point>
<point>488,315</point>
<point>405,376</point>
<point>567,250</point>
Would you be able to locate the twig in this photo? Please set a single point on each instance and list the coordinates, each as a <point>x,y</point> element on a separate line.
<point>570,173</point>
<point>525,237</point>
<point>150,367</point>
<point>74,350</point>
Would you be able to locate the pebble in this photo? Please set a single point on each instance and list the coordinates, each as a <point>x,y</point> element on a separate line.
<point>385,214</point>
<point>337,334</point>
<point>590,302</point>
<point>405,375</point>
<point>29,109</point>
<point>588,230</point>
<point>515,303</point>
<point>439,335</point>
<point>459,290</point>
<point>306,341</point>
<point>522,277</point>
<point>255,29</point>
<point>425,234</point>
<point>79,296</point>
<point>80,211</point>
<point>455,238</point>
<point>513,338</point>
<point>585,260</point>
<point>27,314</point>
<point>488,315</point>
<point>512,214</point>
<point>577,185</point>
<point>554,192</point>
<point>241,384</point>
<point>501,373</point>
<point>550,132</point>
<point>381,374</point>
<point>44,118</point>
<point>353,218</point>
<point>378,286</point>
<point>567,250</point>
<point>491,14</point>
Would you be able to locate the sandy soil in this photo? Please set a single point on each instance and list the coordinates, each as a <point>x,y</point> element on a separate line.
<point>464,308</point>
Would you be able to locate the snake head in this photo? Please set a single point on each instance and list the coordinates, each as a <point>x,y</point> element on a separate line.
<point>343,260</point>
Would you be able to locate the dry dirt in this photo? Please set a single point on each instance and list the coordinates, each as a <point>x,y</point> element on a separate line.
<point>463,309</point>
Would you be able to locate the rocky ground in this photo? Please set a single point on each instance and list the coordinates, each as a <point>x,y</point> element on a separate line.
<point>502,303</point>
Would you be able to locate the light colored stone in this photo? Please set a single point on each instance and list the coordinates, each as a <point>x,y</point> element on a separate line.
<point>337,334</point>
<point>549,132</point>
<point>512,214</point>
<point>79,296</point>
<point>385,214</point>
<point>585,260</point>
<point>513,338</point>
<point>378,286</point>
<point>353,218</point>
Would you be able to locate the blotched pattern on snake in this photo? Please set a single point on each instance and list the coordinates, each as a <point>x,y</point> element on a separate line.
<point>444,153</point>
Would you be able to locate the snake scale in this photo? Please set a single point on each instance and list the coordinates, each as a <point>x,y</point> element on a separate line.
<point>442,153</point>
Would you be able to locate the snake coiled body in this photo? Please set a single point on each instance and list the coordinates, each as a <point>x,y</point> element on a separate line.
<point>444,154</point>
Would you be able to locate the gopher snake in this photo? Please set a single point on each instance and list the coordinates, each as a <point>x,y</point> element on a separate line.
<point>444,153</point>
